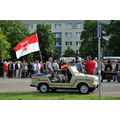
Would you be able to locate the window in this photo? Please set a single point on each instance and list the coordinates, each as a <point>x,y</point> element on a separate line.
<point>29,26</point>
<point>78,43</point>
<point>79,25</point>
<point>68,26</point>
<point>58,44</point>
<point>78,34</point>
<point>57,26</point>
<point>57,35</point>
<point>77,51</point>
<point>68,35</point>
<point>68,43</point>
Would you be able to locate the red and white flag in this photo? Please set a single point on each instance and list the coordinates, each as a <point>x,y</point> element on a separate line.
<point>27,46</point>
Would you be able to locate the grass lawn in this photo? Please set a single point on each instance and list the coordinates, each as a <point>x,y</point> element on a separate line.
<point>51,96</point>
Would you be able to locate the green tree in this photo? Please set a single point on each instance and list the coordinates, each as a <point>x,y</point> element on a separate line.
<point>89,45</point>
<point>15,31</point>
<point>69,52</point>
<point>113,31</point>
<point>4,47</point>
<point>46,41</point>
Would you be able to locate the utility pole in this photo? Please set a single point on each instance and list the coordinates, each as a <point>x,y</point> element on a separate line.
<point>99,57</point>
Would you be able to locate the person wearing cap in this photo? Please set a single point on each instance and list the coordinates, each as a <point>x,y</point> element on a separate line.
<point>79,64</point>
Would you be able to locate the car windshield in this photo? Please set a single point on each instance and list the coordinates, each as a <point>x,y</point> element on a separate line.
<point>74,69</point>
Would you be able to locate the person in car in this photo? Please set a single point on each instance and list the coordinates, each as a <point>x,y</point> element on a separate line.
<point>50,65</point>
<point>55,66</point>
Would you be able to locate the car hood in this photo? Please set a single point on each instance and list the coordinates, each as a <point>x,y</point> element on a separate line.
<point>86,75</point>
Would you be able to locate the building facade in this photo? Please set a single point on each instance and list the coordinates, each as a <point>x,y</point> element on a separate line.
<point>67,32</point>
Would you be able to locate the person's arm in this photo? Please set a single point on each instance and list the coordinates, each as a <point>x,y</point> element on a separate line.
<point>39,66</point>
<point>81,67</point>
<point>111,67</point>
<point>85,66</point>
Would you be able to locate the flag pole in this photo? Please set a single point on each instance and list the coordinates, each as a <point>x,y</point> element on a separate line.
<point>40,52</point>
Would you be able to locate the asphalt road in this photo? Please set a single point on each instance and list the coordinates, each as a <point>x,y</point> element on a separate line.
<point>23,85</point>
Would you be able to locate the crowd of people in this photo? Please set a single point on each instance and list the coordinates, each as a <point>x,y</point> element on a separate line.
<point>18,69</point>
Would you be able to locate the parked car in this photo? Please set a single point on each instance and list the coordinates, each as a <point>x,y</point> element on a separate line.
<point>73,79</point>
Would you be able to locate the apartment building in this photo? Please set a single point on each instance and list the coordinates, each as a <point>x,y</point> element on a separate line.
<point>67,32</point>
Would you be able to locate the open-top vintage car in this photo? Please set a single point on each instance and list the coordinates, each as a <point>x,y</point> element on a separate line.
<point>72,79</point>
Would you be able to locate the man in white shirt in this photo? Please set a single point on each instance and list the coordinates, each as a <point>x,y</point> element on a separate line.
<point>50,65</point>
<point>37,67</point>
<point>96,65</point>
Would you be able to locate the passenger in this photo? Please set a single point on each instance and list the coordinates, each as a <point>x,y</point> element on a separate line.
<point>50,65</point>
<point>55,66</point>
<point>64,66</point>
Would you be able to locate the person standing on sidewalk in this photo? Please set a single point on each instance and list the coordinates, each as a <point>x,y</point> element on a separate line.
<point>30,69</point>
<point>96,66</point>
<point>102,71</point>
<point>89,66</point>
<point>5,69</point>
<point>10,70</point>
<point>117,69</point>
<point>37,67</point>
<point>17,69</point>
<point>79,64</point>
<point>108,69</point>
<point>23,69</point>
<point>1,69</point>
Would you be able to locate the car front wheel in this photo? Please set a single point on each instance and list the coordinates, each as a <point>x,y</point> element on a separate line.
<point>83,89</point>
<point>44,88</point>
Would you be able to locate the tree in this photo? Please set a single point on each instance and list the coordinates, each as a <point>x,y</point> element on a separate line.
<point>4,47</point>
<point>46,41</point>
<point>89,45</point>
<point>15,31</point>
<point>69,52</point>
<point>113,31</point>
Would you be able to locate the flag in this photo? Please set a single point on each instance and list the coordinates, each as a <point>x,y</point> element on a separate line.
<point>27,46</point>
<point>64,65</point>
